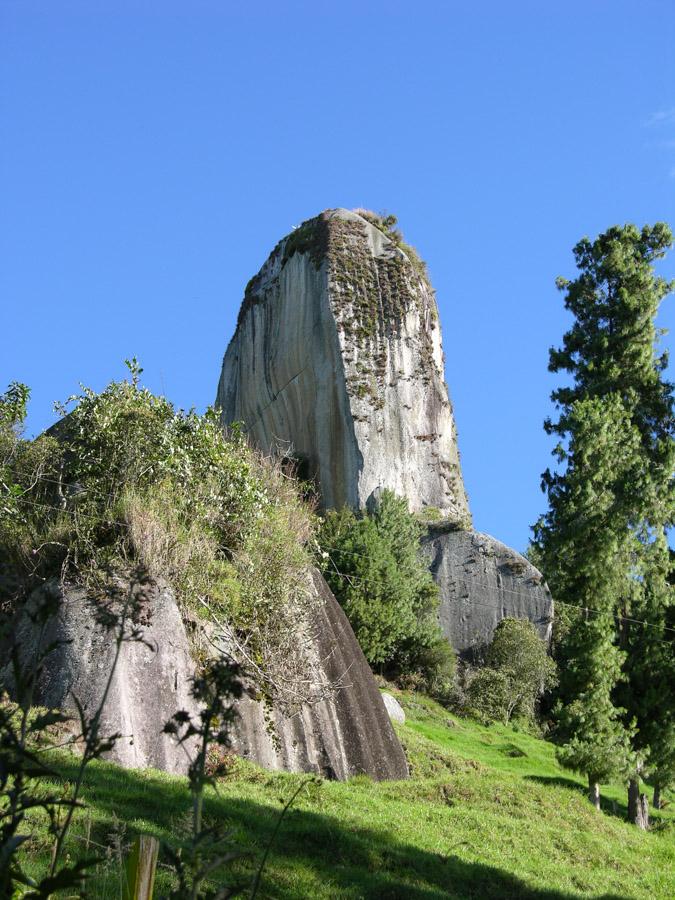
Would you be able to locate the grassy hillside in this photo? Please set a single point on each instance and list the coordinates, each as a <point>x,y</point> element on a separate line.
<point>487,813</point>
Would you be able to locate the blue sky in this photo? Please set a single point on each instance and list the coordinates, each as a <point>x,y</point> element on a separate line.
<point>153,153</point>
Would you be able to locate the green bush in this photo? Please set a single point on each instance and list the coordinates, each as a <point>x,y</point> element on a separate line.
<point>488,695</point>
<point>374,566</point>
<point>518,670</point>
<point>13,404</point>
<point>128,480</point>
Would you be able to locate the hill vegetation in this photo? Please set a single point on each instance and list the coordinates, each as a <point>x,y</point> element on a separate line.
<point>125,480</point>
<point>488,812</point>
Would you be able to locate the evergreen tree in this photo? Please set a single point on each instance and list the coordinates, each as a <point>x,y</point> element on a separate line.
<point>375,568</point>
<point>611,354</point>
<point>648,691</point>
<point>586,551</point>
<point>612,345</point>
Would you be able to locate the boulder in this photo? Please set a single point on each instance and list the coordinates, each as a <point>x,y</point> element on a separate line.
<point>394,708</point>
<point>151,679</point>
<point>346,734</point>
<point>482,581</point>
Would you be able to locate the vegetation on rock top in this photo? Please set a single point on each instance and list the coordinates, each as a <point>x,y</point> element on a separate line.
<point>129,481</point>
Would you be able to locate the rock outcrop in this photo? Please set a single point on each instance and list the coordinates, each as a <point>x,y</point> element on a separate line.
<point>152,677</point>
<point>482,581</point>
<point>337,355</point>
<point>394,709</point>
<point>347,734</point>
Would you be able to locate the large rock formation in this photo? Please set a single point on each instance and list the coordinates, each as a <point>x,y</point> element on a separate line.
<point>481,582</point>
<point>338,355</point>
<point>348,733</point>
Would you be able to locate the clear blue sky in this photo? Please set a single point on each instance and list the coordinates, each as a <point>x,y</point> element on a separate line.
<point>152,153</point>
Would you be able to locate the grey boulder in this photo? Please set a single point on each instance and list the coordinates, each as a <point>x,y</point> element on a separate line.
<point>337,358</point>
<point>347,734</point>
<point>393,707</point>
<point>151,680</point>
<point>481,582</point>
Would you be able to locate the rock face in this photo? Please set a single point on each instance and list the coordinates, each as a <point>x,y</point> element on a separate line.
<point>346,735</point>
<point>481,582</point>
<point>151,680</point>
<point>337,355</point>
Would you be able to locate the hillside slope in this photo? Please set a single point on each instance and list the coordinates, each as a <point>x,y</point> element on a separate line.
<point>487,813</point>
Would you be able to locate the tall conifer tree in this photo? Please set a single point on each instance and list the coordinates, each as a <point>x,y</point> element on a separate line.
<point>586,554</point>
<point>611,354</point>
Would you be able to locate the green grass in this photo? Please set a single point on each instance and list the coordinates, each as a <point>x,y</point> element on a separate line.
<point>487,813</point>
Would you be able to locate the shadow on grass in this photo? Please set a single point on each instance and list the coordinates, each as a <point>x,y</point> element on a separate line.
<point>348,861</point>
<point>610,807</point>
<point>558,781</point>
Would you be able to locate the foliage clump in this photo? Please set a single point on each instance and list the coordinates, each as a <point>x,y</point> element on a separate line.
<point>373,564</point>
<point>310,237</point>
<point>125,478</point>
<point>517,671</point>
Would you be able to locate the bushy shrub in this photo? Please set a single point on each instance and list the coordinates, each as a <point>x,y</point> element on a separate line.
<point>13,408</point>
<point>127,479</point>
<point>488,695</point>
<point>373,564</point>
<point>518,670</point>
<point>428,661</point>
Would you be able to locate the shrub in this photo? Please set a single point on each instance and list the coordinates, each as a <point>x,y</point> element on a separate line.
<point>429,657</point>
<point>488,696</point>
<point>373,564</point>
<point>13,405</point>
<point>518,670</point>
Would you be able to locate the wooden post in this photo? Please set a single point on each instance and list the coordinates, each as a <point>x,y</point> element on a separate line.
<point>139,876</point>
<point>594,791</point>
<point>638,808</point>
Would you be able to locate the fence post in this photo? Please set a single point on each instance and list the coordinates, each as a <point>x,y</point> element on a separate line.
<point>139,875</point>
